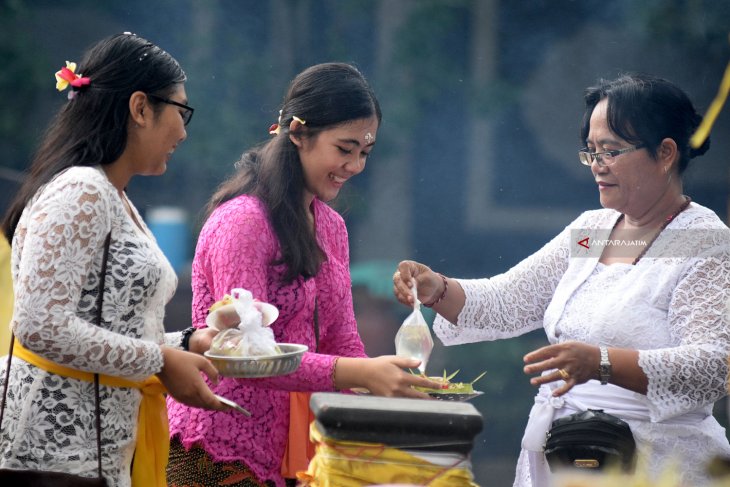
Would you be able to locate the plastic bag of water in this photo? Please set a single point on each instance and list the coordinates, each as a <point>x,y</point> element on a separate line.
<point>413,339</point>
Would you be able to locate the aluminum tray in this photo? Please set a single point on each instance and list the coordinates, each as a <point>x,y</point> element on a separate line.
<point>264,366</point>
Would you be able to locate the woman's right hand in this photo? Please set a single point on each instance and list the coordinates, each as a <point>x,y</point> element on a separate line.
<point>429,283</point>
<point>181,376</point>
<point>382,376</point>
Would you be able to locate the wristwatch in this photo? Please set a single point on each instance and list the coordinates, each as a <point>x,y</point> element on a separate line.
<point>604,368</point>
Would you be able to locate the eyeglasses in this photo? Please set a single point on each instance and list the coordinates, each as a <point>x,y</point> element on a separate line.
<point>187,113</point>
<point>603,158</point>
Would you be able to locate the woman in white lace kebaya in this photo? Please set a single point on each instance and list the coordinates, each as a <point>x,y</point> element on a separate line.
<point>125,116</point>
<point>632,297</point>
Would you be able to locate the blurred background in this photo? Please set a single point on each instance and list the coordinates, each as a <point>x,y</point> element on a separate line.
<point>475,166</point>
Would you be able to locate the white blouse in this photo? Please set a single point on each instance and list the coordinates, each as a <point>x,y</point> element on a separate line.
<point>56,261</point>
<point>671,307</point>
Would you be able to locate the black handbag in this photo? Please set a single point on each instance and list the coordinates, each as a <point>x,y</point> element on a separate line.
<point>46,478</point>
<point>591,440</point>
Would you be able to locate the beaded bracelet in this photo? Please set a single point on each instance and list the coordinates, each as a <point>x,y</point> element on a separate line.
<point>443,294</point>
<point>186,334</point>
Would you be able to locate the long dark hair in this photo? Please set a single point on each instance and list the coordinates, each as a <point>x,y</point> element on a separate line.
<point>644,109</point>
<point>324,96</point>
<point>91,128</point>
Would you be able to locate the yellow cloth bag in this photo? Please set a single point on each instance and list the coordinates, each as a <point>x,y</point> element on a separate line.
<point>153,437</point>
<point>357,464</point>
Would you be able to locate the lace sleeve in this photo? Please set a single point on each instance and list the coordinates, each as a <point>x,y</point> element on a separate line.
<point>694,373</point>
<point>61,238</point>
<point>509,304</point>
<point>174,339</point>
<point>235,249</point>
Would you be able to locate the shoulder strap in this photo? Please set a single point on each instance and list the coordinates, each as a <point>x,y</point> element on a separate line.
<point>7,377</point>
<point>316,326</point>
<point>99,305</point>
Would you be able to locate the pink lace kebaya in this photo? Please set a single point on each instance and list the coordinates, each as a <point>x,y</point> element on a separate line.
<point>237,247</point>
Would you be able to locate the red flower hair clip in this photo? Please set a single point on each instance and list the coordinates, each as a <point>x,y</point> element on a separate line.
<point>67,76</point>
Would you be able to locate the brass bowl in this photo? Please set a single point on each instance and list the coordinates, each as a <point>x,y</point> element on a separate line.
<point>263,366</point>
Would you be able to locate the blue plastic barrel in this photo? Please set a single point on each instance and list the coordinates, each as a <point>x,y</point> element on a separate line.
<point>170,228</point>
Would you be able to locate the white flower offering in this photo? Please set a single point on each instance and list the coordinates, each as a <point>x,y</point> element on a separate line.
<point>251,337</point>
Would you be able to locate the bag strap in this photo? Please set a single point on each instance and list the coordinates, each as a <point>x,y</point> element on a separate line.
<point>97,400</point>
<point>316,326</point>
<point>7,377</point>
<point>99,305</point>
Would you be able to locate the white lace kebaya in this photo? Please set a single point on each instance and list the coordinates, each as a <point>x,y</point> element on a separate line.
<point>56,261</point>
<point>670,307</point>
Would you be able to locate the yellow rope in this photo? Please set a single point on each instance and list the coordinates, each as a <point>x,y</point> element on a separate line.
<point>703,131</point>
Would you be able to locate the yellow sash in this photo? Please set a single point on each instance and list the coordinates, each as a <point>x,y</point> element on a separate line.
<point>153,437</point>
<point>299,448</point>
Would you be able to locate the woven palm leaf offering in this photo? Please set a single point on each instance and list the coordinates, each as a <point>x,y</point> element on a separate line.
<point>449,390</point>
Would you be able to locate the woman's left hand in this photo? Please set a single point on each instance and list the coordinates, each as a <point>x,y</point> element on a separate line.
<point>181,376</point>
<point>573,362</point>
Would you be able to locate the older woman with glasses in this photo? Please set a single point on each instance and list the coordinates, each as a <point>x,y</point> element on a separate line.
<point>632,297</point>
